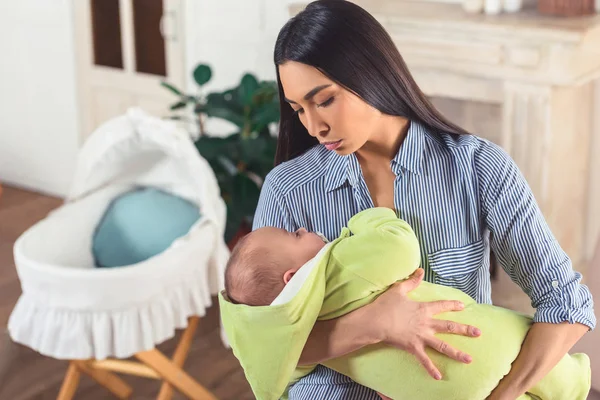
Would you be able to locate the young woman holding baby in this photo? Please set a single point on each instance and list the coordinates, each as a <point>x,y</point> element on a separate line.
<point>357,132</point>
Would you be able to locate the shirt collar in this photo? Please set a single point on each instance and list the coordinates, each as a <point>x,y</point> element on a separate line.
<point>410,154</point>
<point>409,157</point>
<point>337,171</point>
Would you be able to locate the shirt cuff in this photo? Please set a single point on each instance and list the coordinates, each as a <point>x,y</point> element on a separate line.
<point>556,315</point>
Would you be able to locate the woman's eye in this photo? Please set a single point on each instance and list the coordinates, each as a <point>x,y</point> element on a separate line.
<point>326,102</point>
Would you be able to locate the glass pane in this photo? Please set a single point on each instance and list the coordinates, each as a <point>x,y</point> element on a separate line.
<point>149,43</point>
<point>106,32</point>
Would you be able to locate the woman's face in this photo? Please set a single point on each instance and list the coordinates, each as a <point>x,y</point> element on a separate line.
<point>339,119</point>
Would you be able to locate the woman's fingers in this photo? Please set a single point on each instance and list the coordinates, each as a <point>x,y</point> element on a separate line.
<point>384,397</point>
<point>442,347</point>
<point>428,364</point>
<point>412,281</point>
<point>443,326</point>
<point>437,307</point>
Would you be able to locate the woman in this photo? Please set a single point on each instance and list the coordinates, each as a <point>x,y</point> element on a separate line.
<point>357,132</point>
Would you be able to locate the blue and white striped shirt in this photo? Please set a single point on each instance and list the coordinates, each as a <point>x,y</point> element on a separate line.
<point>462,195</point>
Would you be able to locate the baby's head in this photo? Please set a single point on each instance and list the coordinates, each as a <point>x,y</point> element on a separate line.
<point>264,261</point>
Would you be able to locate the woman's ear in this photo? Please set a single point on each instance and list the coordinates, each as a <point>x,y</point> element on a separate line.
<point>288,275</point>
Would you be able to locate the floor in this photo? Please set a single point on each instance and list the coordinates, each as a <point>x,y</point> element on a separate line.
<point>26,375</point>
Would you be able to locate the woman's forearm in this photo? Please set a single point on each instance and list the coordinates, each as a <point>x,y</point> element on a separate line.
<point>337,337</point>
<point>544,346</point>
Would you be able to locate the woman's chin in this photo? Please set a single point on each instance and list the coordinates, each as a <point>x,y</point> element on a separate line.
<point>344,150</point>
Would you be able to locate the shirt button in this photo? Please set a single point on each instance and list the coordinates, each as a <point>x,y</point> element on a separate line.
<point>554,284</point>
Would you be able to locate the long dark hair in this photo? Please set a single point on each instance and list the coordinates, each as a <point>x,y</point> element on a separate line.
<point>349,46</point>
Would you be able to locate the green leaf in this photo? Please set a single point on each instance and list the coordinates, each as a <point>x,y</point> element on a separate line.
<point>258,154</point>
<point>224,113</point>
<point>247,88</point>
<point>171,88</point>
<point>267,93</point>
<point>202,74</point>
<point>241,205</point>
<point>245,194</point>
<point>228,99</point>
<point>264,115</point>
<point>212,148</point>
<point>251,149</point>
<point>178,105</point>
<point>264,163</point>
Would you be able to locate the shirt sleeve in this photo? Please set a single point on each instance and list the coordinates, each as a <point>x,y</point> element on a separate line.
<point>271,209</point>
<point>525,246</point>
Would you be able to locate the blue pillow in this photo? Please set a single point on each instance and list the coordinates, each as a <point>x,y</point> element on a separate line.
<point>141,224</point>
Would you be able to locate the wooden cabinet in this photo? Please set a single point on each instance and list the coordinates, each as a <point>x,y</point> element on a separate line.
<point>525,81</point>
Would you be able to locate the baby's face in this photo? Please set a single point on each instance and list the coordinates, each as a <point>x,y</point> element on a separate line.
<point>301,244</point>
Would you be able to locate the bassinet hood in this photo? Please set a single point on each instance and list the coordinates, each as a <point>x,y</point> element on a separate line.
<point>144,150</point>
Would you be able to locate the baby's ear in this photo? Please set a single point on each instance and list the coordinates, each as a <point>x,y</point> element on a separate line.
<point>287,275</point>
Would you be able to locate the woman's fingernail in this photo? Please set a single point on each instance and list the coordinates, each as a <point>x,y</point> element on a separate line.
<point>476,332</point>
<point>467,358</point>
<point>438,376</point>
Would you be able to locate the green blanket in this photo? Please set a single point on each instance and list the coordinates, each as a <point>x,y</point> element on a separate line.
<point>351,272</point>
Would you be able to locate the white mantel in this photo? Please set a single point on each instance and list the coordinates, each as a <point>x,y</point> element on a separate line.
<point>540,73</point>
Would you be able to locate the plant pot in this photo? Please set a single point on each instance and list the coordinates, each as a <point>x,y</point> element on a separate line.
<point>566,8</point>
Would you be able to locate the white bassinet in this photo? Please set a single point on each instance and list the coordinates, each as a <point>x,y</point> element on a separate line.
<point>71,310</point>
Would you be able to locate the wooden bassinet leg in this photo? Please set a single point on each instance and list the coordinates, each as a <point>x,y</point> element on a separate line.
<point>110,381</point>
<point>173,374</point>
<point>179,356</point>
<point>70,383</point>
<point>153,364</point>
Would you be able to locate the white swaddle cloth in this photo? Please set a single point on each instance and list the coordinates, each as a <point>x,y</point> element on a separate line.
<point>295,284</point>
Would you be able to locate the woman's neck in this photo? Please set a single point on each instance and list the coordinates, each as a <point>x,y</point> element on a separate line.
<point>385,142</point>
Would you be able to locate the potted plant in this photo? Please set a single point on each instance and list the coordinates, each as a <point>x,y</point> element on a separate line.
<point>241,160</point>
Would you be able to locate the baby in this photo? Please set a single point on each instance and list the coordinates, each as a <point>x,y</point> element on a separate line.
<point>264,261</point>
<point>279,283</point>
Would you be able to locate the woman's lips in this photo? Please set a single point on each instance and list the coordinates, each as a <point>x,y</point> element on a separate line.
<point>332,145</point>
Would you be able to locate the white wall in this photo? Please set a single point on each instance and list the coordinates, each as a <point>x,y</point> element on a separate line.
<point>233,37</point>
<point>39,123</point>
<point>38,107</point>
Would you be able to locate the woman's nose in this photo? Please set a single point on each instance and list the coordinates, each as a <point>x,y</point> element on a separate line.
<point>301,231</point>
<point>316,126</point>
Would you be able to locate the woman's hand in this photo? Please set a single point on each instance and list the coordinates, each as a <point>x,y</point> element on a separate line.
<point>410,326</point>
